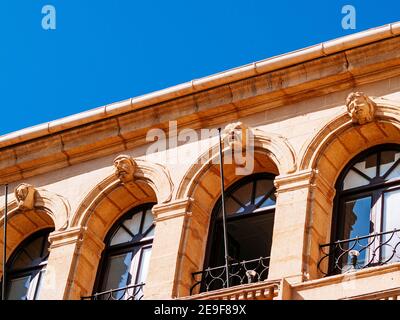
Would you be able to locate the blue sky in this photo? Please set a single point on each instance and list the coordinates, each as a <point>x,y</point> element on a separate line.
<point>104,51</point>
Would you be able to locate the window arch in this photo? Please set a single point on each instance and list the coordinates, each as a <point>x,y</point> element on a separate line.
<point>366,214</point>
<point>26,267</point>
<point>125,260</point>
<point>250,209</point>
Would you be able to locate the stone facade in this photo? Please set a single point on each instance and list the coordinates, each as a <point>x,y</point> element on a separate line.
<point>308,118</point>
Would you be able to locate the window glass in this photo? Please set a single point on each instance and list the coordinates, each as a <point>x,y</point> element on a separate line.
<point>388,158</point>
<point>148,220</point>
<point>391,221</point>
<point>232,207</point>
<point>262,188</point>
<point>18,288</point>
<point>144,265</point>
<point>133,224</point>
<point>368,166</point>
<point>126,256</point>
<point>121,236</point>
<point>117,274</point>
<point>356,224</point>
<point>395,173</point>
<point>354,180</point>
<point>252,195</point>
<point>243,194</point>
<point>27,263</point>
<point>249,232</point>
<point>357,218</point>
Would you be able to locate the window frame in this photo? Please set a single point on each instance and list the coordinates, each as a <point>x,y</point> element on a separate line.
<point>138,242</point>
<point>36,272</point>
<point>376,190</point>
<point>217,207</point>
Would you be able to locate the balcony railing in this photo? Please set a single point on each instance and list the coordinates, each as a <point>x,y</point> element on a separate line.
<point>243,272</point>
<point>132,292</point>
<point>361,252</point>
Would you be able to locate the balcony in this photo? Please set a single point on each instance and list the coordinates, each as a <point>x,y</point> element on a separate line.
<point>247,280</point>
<point>264,290</point>
<point>132,292</point>
<point>349,255</point>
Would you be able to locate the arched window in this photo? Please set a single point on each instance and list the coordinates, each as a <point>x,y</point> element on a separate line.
<point>250,209</point>
<point>367,212</point>
<point>26,267</point>
<point>124,265</point>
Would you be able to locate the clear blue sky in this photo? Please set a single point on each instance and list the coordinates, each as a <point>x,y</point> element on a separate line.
<point>108,50</point>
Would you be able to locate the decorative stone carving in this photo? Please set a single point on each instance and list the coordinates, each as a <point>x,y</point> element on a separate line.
<point>125,168</point>
<point>236,134</point>
<point>360,107</point>
<point>25,195</point>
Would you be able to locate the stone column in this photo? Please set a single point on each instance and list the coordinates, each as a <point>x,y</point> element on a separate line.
<point>170,222</point>
<point>289,235</point>
<point>63,245</point>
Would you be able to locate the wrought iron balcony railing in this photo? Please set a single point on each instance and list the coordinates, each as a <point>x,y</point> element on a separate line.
<point>132,292</point>
<point>361,252</point>
<point>243,272</point>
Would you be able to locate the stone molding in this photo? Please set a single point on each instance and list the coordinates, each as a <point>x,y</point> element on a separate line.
<point>275,88</point>
<point>276,147</point>
<point>67,237</point>
<point>298,180</point>
<point>56,206</point>
<point>386,111</point>
<point>155,175</point>
<point>171,210</point>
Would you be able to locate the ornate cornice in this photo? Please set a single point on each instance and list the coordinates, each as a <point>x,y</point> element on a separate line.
<point>110,132</point>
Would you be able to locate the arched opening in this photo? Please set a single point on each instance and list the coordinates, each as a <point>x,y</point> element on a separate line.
<point>205,194</point>
<point>250,209</point>
<point>106,211</point>
<point>125,260</point>
<point>366,221</point>
<point>327,154</point>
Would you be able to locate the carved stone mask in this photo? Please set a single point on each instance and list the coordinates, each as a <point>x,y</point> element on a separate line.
<point>25,195</point>
<point>124,168</point>
<point>236,134</point>
<point>360,108</point>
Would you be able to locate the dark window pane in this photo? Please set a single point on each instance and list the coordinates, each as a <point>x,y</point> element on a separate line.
<point>30,255</point>
<point>264,187</point>
<point>18,288</point>
<point>388,158</point>
<point>232,207</point>
<point>243,194</point>
<point>22,261</point>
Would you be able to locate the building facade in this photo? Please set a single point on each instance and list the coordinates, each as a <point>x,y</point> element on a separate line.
<point>124,201</point>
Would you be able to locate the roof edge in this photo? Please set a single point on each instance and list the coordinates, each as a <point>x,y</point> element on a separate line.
<point>208,82</point>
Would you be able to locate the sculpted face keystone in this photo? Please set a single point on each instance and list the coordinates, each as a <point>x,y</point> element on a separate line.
<point>124,168</point>
<point>25,195</point>
<point>360,108</point>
